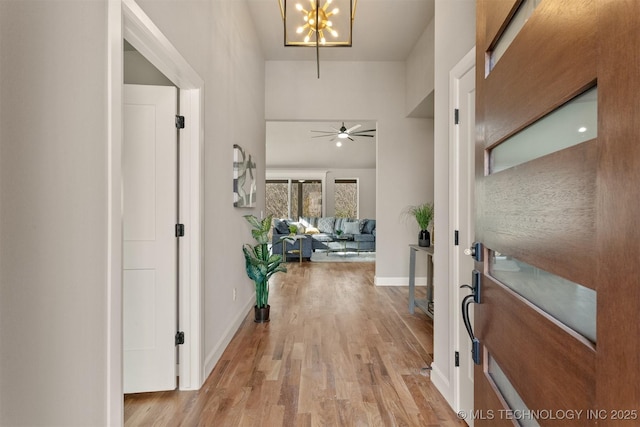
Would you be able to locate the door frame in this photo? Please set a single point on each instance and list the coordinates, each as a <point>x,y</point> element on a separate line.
<point>467,63</point>
<point>127,20</point>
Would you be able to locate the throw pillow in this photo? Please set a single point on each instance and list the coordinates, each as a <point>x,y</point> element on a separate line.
<point>351,227</point>
<point>325,224</point>
<point>369,226</point>
<point>281,226</point>
<point>311,230</point>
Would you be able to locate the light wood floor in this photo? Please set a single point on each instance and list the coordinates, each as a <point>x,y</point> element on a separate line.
<point>337,352</point>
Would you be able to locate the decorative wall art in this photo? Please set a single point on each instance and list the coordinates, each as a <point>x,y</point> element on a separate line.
<point>244,180</point>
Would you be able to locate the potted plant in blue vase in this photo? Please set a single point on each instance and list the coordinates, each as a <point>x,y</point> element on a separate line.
<point>261,265</point>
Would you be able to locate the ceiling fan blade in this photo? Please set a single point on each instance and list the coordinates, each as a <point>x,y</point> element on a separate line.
<point>321,136</point>
<point>368,136</point>
<point>363,131</point>
<point>323,131</point>
<point>351,138</point>
<point>351,129</point>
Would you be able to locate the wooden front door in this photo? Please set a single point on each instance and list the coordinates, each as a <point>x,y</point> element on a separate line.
<point>557,321</point>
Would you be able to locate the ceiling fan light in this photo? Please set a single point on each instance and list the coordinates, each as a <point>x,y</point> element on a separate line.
<point>339,144</point>
<point>343,135</point>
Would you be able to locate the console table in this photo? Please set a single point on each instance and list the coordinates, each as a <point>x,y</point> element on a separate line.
<point>426,304</point>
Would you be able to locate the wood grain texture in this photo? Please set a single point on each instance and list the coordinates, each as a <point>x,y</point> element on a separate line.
<point>501,13</point>
<point>544,213</point>
<point>618,241</point>
<point>549,367</point>
<point>552,60</point>
<point>487,396</point>
<point>338,351</point>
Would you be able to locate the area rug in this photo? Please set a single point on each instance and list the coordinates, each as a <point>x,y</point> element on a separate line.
<point>318,256</point>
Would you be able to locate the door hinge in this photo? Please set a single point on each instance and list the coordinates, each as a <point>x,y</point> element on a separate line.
<point>457,359</point>
<point>179,338</point>
<point>456,236</point>
<point>179,230</point>
<point>456,116</point>
<point>180,122</point>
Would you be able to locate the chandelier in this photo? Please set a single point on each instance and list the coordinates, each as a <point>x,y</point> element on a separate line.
<point>317,23</point>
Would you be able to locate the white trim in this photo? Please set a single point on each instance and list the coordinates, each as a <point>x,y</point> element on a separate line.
<point>438,379</point>
<point>457,72</point>
<point>143,34</point>
<point>399,281</point>
<point>218,349</point>
<point>114,400</point>
<point>191,195</point>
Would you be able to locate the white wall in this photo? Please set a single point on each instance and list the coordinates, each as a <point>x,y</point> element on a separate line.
<point>53,213</point>
<point>420,69</point>
<point>53,192</point>
<point>454,37</point>
<point>372,91</point>
<point>138,70</point>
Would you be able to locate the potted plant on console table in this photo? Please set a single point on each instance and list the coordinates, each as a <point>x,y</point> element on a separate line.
<point>423,214</point>
<point>261,265</point>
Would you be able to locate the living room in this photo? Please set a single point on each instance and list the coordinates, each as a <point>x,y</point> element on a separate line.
<point>335,181</point>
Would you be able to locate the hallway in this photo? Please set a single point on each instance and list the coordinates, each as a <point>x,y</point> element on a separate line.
<point>338,351</point>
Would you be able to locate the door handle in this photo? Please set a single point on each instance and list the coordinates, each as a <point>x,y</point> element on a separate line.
<point>475,251</point>
<point>473,297</point>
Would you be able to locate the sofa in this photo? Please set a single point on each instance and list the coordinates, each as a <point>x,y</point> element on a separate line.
<point>324,234</point>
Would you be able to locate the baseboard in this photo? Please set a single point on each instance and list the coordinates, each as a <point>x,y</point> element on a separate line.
<point>214,356</point>
<point>399,281</point>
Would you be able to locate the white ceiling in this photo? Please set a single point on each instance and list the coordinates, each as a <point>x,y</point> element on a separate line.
<point>293,144</point>
<point>383,30</point>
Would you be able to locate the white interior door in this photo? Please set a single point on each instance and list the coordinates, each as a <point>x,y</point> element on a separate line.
<point>463,85</point>
<point>149,242</point>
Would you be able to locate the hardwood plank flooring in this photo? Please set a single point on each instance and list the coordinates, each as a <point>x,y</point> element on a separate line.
<point>338,351</point>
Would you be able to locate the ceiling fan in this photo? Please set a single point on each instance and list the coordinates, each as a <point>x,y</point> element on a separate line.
<point>343,133</point>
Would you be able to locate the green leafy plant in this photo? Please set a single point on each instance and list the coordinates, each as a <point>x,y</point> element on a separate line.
<point>339,232</point>
<point>422,213</point>
<point>293,229</point>
<point>261,265</point>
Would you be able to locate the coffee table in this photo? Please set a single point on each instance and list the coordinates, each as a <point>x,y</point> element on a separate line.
<point>342,240</point>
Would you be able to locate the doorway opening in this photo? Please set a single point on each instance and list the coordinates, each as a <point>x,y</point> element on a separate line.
<point>128,21</point>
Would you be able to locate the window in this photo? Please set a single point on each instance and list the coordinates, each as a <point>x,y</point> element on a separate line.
<point>346,198</point>
<point>277,198</point>
<point>294,198</point>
